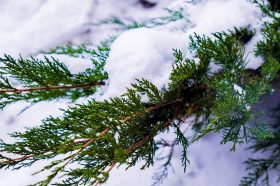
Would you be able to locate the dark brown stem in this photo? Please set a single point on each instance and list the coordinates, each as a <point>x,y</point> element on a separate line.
<point>148,138</point>
<point>151,109</point>
<point>20,158</point>
<point>129,150</point>
<point>48,88</point>
<point>87,143</point>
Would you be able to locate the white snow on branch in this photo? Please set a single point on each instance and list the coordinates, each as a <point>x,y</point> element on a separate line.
<point>29,26</point>
<point>141,53</point>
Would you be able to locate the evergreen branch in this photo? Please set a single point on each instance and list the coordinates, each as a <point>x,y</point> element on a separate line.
<point>101,134</point>
<point>48,88</point>
<point>17,159</point>
<point>151,109</point>
<point>147,138</point>
<point>100,54</point>
<point>269,47</point>
<point>86,142</point>
<point>46,79</point>
<point>270,10</point>
<point>267,141</point>
<point>141,142</point>
<point>259,169</point>
<point>136,145</point>
<point>127,24</point>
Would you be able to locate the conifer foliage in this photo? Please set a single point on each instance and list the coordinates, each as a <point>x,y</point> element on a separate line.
<point>35,80</point>
<point>269,49</point>
<point>97,136</point>
<point>259,168</point>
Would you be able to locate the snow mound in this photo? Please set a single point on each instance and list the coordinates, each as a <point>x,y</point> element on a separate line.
<point>53,22</point>
<point>221,15</point>
<point>141,53</point>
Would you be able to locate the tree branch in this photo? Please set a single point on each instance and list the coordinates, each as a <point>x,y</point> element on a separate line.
<point>48,88</point>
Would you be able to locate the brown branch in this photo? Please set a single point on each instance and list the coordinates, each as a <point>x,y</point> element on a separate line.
<point>87,143</point>
<point>126,119</point>
<point>151,109</point>
<point>147,138</point>
<point>164,105</point>
<point>108,171</point>
<point>48,88</point>
<point>138,144</point>
<point>111,167</point>
<point>19,158</point>
<point>131,148</point>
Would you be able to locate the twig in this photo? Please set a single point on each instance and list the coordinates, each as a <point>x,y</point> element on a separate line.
<point>18,159</point>
<point>87,142</point>
<point>151,109</point>
<point>48,88</point>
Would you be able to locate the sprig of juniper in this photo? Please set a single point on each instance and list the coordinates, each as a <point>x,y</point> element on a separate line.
<point>267,9</point>
<point>259,169</point>
<point>127,24</point>
<point>232,88</point>
<point>99,135</point>
<point>269,49</point>
<point>97,55</point>
<point>35,80</point>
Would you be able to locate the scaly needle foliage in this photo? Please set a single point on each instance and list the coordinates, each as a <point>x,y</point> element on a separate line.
<point>99,135</point>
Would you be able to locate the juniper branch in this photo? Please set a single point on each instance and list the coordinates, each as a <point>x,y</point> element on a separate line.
<point>267,140</point>
<point>48,88</point>
<point>126,24</point>
<point>128,125</point>
<point>46,79</point>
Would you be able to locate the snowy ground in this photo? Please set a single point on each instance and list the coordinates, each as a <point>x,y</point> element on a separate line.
<point>28,27</point>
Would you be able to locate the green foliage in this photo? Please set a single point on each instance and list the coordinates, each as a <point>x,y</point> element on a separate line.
<point>35,80</point>
<point>259,168</point>
<point>126,128</point>
<point>266,9</point>
<point>100,54</point>
<point>127,24</point>
<point>71,50</point>
<point>266,136</point>
<point>98,135</point>
<point>35,72</point>
<point>244,34</point>
<point>181,139</point>
<point>164,160</point>
<point>270,68</point>
<point>270,46</point>
<point>233,97</point>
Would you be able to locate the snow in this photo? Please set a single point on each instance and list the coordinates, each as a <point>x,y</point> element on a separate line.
<point>41,26</point>
<point>221,15</point>
<point>238,89</point>
<point>75,65</point>
<point>28,27</point>
<point>141,53</point>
